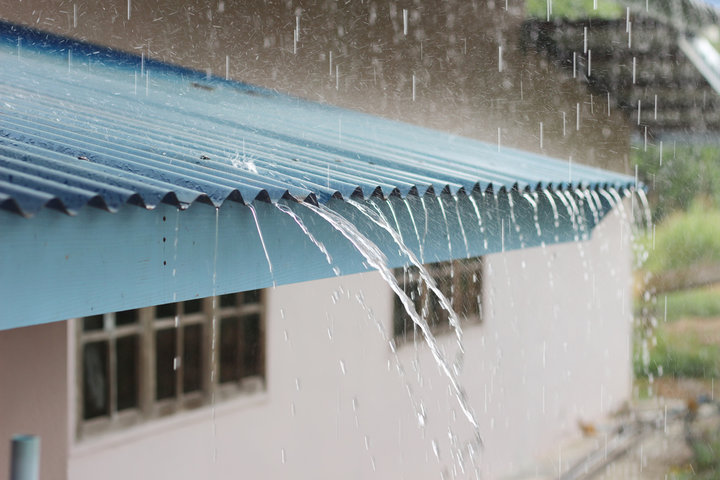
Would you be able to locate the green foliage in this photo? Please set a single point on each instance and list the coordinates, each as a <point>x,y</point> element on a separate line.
<point>699,302</point>
<point>679,356</point>
<point>706,457</point>
<point>685,173</point>
<point>683,240</point>
<point>574,9</point>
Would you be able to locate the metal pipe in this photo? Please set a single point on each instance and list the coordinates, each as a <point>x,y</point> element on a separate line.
<point>25,457</point>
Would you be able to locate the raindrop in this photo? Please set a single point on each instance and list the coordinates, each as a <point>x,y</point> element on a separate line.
<point>342,367</point>
<point>577,116</point>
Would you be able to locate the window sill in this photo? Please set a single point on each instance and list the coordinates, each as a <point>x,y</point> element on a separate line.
<point>158,426</point>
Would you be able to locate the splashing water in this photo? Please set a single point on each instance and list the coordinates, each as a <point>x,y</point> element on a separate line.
<point>646,208</point>
<point>377,217</point>
<point>421,244</point>
<point>213,354</point>
<point>377,260</point>
<point>513,219</point>
<point>288,211</point>
<point>262,241</point>
<point>556,216</point>
<point>591,204</point>
<point>571,213</point>
<point>531,198</point>
<point>479,218</point>
<point>462,227</point>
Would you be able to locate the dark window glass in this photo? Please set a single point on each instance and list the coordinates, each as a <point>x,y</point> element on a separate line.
<point>127,371</point>
<point>193,306</point>
<point>229,351</point>
<point>251,347</point>
<point>165,311</point>
<point>468,292</point>
<point>164,363</point>
<point>228,300</point>
<point>192,358</point>
<point>96,392</point>
<point>252,296</point>
<point>93,323</point>
<point>126,317</point>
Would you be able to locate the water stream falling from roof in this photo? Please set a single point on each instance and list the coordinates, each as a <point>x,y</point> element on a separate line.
<point>377,260</point>
<point>262,241</point>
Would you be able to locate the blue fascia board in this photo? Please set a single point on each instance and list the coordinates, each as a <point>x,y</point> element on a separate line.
<point>54,267</point>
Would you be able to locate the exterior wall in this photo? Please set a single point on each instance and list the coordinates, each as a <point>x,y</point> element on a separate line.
<point>33,394</point>
<point>552,350</point>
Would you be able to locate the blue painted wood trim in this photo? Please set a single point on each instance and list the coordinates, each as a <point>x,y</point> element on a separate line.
<point>54,266</point>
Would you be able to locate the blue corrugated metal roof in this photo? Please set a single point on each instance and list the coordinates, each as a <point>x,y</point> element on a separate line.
<point>82,125</point>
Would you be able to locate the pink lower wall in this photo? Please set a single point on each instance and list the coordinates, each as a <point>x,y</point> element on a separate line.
<point>554,349</point>
<point>33,394</point>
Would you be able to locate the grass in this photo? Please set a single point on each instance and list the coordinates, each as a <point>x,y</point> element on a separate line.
<point>701,302</point>
<point>685,239</point>
<point>705,463</point>
<point>574,9</point>
<point>678,174</point>
<point>679,355</point>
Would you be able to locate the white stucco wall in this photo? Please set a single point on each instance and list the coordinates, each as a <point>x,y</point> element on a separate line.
<point>545,357</point>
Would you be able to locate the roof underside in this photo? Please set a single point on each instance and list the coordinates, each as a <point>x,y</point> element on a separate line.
<point>83,125</point>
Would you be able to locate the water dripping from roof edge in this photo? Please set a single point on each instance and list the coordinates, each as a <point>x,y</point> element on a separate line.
<point>479,219</point>
<point>376,216</point>
<point>462,227</point>
<point>376,259</point>
<point>288,211</point>
<point>532,199</point>
<point>417,233</point>
<point>262,242</point>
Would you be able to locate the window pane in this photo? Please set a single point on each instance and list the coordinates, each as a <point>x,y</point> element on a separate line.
<point>127,372</point>
<point>165,311</point>
<point>126,317</point>
<point>228,300</point>
<point>93,323</point>
<point>193,306</point>
<point>164,363</point>
<point>252,347</point>
<point>192,356</point>
<point>95,380</point>
<point>252,296</point>
<point>229,361</point>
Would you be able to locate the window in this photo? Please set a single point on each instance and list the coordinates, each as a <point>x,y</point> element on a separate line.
<point>459,280</point>
<point>141,364</point>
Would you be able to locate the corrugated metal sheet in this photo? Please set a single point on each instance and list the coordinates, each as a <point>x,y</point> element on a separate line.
<point>81,125</point>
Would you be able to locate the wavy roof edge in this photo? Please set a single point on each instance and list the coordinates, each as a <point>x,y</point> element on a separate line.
<point>10,204</point>
<point>408,171</point>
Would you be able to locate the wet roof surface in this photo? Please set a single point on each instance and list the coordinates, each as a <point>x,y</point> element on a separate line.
<point>82,125</point>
